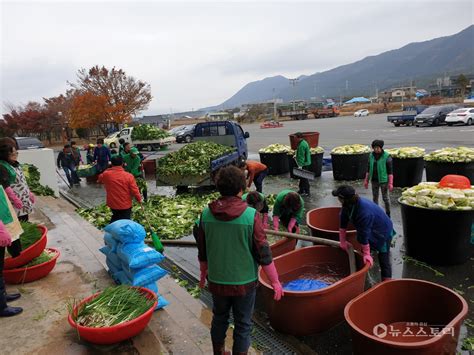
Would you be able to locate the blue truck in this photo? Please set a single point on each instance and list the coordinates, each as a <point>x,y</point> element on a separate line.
<point>408,117</point>
<point>227,133</point>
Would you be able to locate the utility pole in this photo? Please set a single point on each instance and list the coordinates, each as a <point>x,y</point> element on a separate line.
<point>274,104</point>
<point>293,82</point>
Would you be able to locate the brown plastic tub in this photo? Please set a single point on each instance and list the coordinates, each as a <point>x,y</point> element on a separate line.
<point>311,137</point>
<point>324,223</point>
<point>283,246</point>
<point>381,315</point>
<point>307,312</point>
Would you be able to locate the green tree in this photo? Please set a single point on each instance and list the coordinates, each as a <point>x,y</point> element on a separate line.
<point>462,82</point>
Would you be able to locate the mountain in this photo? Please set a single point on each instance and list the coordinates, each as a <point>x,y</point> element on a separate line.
<point>256,91</point>
<point>420,61</point>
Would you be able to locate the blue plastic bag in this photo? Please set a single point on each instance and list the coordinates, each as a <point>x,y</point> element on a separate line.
<point>126,231</point>
<point>122,278</point>
<point>110,242</point>
<point>105,250</point>
<point>304,285</point>
<point>144,276</point>
<point>111,256</point>
<point>137,256</point>
<point>162,302</point>
<point>152,287</point>
<point>113,268</point>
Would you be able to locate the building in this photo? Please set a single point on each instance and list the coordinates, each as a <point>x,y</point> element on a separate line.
<point>219,116</point>
<point>162,121</point>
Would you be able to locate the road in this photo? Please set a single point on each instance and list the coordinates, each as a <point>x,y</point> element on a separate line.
<point>349,130</point>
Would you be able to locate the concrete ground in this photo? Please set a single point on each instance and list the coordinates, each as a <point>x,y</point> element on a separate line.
<point>334,132</point>
<point>349,130</point>
<point>182,327</point>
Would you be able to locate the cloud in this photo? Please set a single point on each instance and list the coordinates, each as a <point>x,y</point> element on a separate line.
<point>197,54</point>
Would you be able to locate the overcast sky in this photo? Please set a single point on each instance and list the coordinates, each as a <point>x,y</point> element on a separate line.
<point>196,54</point>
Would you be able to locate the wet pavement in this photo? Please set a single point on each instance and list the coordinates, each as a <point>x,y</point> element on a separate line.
<point>336,340</point>
<point>338,131</point>
<point>182,327</point>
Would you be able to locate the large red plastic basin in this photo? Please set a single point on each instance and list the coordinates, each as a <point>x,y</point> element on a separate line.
<point>283,246</point>
<point>307,312</point>
<point>150,167</point>
<point>29,253</point>
<point>33,273</point>
<point>380,317</point>
<point>324,223</point>
<point>116,333</point>
<point>311,137</point>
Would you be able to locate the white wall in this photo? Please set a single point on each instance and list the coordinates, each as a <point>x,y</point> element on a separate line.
<point>44,160</point>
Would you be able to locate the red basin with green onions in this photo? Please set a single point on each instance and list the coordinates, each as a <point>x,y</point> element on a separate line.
<point>116,333</point>
<point>29,253</point>
<point>32,273</point>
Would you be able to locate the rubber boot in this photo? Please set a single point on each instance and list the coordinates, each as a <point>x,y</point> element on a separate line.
<point>5,310</point>
<point>10,297</point>
<point>219,349</point>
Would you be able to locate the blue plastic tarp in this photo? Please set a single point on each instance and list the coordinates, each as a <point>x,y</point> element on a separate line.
<point>304,285</point>
<point>356,100</point>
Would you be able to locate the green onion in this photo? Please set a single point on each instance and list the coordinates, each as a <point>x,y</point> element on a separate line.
<point>31,234</point>
<point>44,257</point>
<point>115,305</point>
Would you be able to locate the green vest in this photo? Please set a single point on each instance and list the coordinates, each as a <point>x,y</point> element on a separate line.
<point>133,164</point>
<point>381,167</point>
<point>229,248</point>
<point>5,214</point>
<point>303,154</point>
<point>11,172</point>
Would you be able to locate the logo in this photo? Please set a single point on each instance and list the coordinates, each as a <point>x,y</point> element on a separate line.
<point>380,330</point>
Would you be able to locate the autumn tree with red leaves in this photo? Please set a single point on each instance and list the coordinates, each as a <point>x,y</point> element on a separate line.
<point>107,97</point>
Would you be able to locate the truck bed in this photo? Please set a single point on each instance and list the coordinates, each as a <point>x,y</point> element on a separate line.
<point>401,119</point>
<point>197,180</point>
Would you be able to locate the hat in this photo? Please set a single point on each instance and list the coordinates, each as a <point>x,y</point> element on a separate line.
<point>344,191</point>
<point>134,150</point>
<point>377,143</point>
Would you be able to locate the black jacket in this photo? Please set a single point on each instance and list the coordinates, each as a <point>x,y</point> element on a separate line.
<point>65,160</point>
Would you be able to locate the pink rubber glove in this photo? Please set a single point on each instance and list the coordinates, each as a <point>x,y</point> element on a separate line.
<point>203,269</point>
<point>5,238</point>
<point>14,198</point>
<point>276,223</point>
<point>271,272</point>
<point>32,197</point>
<point>367,257</point>
<point>265,221</point>
<point>390,183</point>
<point>342,239</point>
<point>366,181</point>
<point>291,225</point>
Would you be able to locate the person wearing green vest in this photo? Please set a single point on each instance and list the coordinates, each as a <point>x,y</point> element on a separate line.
<point>258,201</point>
<point>231,244</point>
<point>380,174</point>
<point>121,146</point>
<point>288,209</point>
<point>303,160</point>
<point>133,165</point>
<point>10,231</point>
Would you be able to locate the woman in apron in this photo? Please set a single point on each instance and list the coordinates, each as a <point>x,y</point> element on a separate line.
<point>10,231</point>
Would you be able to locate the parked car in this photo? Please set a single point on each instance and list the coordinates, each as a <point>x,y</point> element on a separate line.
<point>29,143</point>
<point>434,115</point>
<point>185,135</point>
<point>461,115</point>
<point>361,113</point>
<point>176,129</point>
